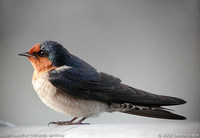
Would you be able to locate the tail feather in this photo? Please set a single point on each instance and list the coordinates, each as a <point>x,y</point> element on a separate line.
<point>155,113</point>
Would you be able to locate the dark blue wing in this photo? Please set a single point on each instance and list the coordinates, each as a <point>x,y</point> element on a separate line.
<point>93,85</point>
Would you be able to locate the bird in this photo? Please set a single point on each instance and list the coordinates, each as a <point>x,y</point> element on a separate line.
<point>71,86</point>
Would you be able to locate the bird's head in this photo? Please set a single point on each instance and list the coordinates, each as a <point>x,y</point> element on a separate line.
<point>47,55</point>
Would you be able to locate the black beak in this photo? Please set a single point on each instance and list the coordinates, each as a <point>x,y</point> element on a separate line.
<point>26,54</point>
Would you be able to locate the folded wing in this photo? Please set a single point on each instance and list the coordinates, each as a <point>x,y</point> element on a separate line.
<point>93,85</point>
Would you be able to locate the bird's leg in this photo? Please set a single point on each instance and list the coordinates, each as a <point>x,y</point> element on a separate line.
<point>80,122</point>
<point>64,122</point>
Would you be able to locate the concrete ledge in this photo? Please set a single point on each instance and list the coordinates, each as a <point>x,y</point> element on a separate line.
<point>139,130</point>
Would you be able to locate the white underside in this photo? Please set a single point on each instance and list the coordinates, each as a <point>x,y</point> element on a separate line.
<point>65,103</point>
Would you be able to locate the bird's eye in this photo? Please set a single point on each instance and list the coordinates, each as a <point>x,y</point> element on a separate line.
<point>42,53</point>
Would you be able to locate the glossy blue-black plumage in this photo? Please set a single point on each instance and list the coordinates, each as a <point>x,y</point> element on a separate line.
<point>92,85</point>
<point>81,80</point>
<point>59,56</point>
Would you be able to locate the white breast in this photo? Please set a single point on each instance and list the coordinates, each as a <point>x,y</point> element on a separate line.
<point>64,103</point>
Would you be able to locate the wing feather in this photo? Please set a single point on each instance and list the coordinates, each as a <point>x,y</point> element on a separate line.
<point>93,85</point>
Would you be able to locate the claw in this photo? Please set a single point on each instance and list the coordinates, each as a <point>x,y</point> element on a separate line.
<point>51,123</point>
<point>58,123</point>
<point>81,123</point>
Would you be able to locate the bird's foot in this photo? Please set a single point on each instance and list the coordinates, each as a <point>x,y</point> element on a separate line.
<point>59,123</point>
<point>78,123</point>
<point>71,122</point>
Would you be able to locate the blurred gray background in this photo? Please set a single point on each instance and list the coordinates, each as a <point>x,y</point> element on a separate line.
<point>153,45</point>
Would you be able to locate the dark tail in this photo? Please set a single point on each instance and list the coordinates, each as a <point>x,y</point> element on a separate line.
<point>156,113</point>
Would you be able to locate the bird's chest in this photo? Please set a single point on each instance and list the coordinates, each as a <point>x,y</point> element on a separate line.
<point>45,90</point>
<point>63,102</point>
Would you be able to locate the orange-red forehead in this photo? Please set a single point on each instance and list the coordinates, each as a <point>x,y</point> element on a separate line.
<point>35,48</point>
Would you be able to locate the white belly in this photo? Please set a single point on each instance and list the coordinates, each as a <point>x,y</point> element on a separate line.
<point>64,103</point>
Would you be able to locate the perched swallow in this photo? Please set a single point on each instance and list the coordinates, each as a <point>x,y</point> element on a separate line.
<point>71,86</point>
